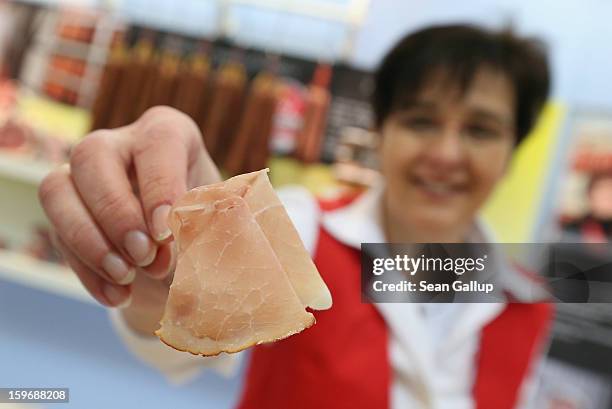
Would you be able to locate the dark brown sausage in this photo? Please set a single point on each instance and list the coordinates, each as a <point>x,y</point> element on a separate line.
<point>226,107</point>
<point>250,148</point>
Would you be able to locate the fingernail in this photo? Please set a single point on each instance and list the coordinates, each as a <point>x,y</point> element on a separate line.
<point>161,231</point>
<point>140,247</point>
<point>116,297</point>
<point>118,269</point>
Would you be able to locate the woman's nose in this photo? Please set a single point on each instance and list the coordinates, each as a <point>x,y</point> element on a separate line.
<point>447,150</point>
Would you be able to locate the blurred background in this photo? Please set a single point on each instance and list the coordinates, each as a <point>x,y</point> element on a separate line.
<point>283,84</point>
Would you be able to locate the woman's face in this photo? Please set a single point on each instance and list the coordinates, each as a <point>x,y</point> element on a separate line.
<point>443,153</point>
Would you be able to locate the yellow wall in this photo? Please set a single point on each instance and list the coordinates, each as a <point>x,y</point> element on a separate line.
<point>513,208</point>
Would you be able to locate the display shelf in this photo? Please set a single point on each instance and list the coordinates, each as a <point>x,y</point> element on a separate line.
<point>73,49</point>
<point>56,279</point>
<point>68,80</point>
<point>23,168</point>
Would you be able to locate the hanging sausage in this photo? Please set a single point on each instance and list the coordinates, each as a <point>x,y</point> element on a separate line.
<point>223,119</point>
<point>250,149</point>
<point>107,88</point>
<point>161,83</point>
<point>132,82</point>
<point>315,119</point>
<point>193,87</point>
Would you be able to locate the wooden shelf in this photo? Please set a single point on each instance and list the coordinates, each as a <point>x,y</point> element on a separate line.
<point>52,278</point>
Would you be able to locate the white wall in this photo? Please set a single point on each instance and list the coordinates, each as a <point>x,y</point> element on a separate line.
<point>578,32</point>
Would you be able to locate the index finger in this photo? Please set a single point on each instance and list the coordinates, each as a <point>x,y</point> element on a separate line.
<point>167,143</point>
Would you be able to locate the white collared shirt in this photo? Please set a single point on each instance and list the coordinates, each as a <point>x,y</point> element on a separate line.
<point>432,347</point>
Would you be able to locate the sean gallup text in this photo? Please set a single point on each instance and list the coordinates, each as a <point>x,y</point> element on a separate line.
<point>424,286</point>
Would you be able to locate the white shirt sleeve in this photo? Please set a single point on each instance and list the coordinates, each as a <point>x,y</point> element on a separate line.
<point>179,367</point>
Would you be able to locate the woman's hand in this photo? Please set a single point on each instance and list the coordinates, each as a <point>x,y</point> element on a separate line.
<point>108,208</point>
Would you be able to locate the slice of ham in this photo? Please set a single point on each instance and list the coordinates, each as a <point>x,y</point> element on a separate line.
<point>243,276</point>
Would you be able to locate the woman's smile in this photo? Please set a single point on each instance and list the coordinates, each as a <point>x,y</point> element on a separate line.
<point>438,190</point>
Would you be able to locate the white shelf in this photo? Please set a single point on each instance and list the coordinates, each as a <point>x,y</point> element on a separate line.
<point>25,270</point>
<point>23,169</point>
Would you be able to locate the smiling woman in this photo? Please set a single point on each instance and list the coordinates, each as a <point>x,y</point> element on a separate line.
<point>445,152</point>
<point>451,104</point>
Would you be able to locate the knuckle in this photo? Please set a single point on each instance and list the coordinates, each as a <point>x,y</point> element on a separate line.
<point>155,186</point>
<point>91,146</point>
<point>51,187</point>
<point>79,234</point>
<point>152,138</point>
<point>163,112</point>
<point>112,206</point>
<point>164,123</point>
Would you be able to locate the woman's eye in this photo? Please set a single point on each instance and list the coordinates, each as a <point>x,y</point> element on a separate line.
<point>482,132</point>
<point>419,123</point>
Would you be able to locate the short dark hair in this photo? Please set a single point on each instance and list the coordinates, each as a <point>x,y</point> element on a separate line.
<point>459,51</point>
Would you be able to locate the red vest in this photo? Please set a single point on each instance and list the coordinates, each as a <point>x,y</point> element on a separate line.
<point>343,361</point>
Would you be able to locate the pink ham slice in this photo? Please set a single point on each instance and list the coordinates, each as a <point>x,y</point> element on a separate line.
<point>243,276</point>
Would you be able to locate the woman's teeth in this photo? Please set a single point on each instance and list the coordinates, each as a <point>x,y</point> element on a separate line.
<point>439,188</point>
